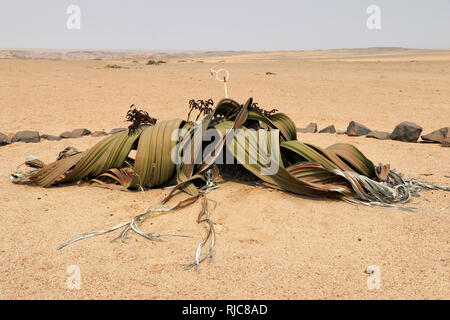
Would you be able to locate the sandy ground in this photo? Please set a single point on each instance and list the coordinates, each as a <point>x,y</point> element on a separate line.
<point>270,244</point>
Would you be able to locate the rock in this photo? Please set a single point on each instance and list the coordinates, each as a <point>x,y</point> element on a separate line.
<point>437,136</point>
<point>66,135</point>
<point>446,142</point>
<point>357,129</point>
<point>329,129</point>
<point>381,135</point>
<point>77,133</point>
<point>4,139</point>
<point>406,131</point>
<point>50,137</point>
<point>98,134</point>
<point>26,136</point>
<point>341,131</point>
<point>116,130</point>
<point>311,128</point>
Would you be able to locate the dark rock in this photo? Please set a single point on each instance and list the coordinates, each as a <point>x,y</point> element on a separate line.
<point>438,135</point>
<point>4,139</point>
<point>26,136</point>
<point>116,130</point>
<point>381,135</point>
<point>406,131</point>
<point>446,142</point>
<point>357,129</point>
<point>77,133</point>
<point>66,135</point>
<point>99,134</point>
<point>329,129</point>
<point>311,128</point>
<point>50,137</point>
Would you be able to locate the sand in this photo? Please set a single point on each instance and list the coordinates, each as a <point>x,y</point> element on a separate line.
<point>270,244</point>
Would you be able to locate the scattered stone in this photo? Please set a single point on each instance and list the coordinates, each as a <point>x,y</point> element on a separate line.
<point>446,142</point>
<point>357,129</point>
<point>437,136</point>
<point>116,130</point>
<point>50,137</point>
<point>270,73</point>
<point>406,131</point>
<point>329,129</point>
<point>65,135</point>
<point>311,128</point>
<point>98,134</point>
<point>77,133</point>
<point>26,136</point>
<point>380,135</point>
<point>4,139</point>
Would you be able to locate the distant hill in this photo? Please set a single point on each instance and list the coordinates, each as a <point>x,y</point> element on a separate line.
<point>353,53</point>
<point>54,54</point>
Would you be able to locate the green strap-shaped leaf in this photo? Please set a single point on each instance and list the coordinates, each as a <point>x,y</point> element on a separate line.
<point>245,150</point>
<point>153,165</point>
<point>285,125</point>
<point>109,153</point>
<point>225,107</point>
<point>52,172</point>
<point>355,158</point>
<point>305,152</point>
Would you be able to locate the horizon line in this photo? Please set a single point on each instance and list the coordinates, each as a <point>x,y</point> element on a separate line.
<point>218,50</point>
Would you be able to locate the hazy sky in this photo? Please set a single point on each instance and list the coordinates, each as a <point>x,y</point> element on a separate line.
<point>224,24</point>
